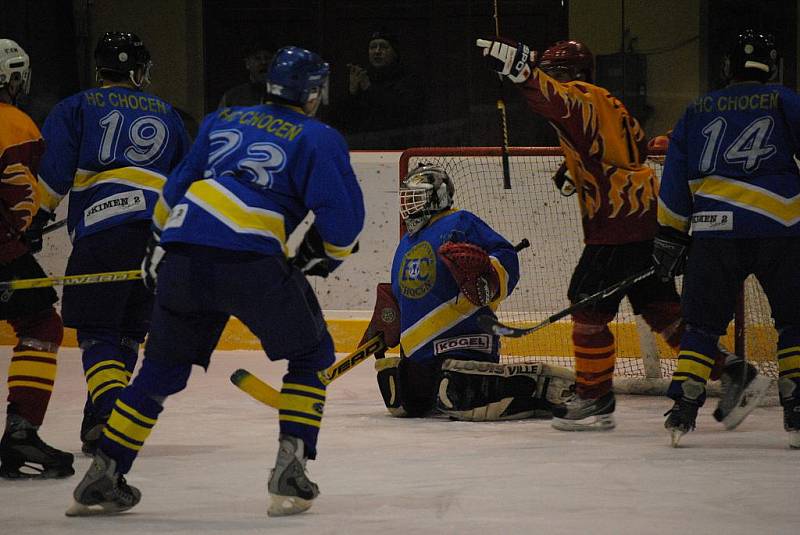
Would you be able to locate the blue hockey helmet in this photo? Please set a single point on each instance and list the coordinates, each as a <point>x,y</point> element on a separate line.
<point>297,74</point>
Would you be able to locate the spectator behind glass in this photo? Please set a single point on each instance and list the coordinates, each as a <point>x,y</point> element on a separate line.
<point>382,99</point>
<point>256,61</point>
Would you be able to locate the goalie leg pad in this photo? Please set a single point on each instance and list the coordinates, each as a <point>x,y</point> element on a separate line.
<point>388,369</point>
<point>484,391</point>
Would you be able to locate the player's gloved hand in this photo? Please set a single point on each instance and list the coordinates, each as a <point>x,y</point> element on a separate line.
<point>153,255</point>
<point>472,270</point>
<point>563,181</point>
<point>310,258</point>
<point>513,60</point>
<point>670,247</point>
<point>33,235</point>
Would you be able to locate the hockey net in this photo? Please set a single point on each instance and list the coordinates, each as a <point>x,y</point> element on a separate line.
<point>534,209</point>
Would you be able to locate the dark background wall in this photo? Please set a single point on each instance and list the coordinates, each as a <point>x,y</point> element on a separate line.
<point>436,41</point>
<point>197,46</point>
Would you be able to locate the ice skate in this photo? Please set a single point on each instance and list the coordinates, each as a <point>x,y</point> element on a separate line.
<point>103,491</point>
<point>743,388</point>
<point>790,399</point>
<point>290,490</point>
<point>23,455</point>
<point>578,414</point>
<point>682,417</point>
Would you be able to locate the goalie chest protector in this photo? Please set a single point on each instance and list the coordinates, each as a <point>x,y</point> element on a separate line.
<point>436,320</point>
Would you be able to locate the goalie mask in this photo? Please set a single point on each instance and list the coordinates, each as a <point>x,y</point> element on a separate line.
<point>568,60</point>
<point>123,53</point>
<point>425,191</point>
<point>14,65</point>
<point>753,56</point>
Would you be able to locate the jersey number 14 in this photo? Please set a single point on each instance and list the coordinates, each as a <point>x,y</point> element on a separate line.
<point>749,148</point>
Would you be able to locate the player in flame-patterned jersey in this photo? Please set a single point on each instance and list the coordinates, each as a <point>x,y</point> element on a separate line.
<point>35,321</point>
<point>605,150</point>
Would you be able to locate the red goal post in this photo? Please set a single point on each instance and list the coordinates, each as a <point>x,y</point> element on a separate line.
<point>534,209</point>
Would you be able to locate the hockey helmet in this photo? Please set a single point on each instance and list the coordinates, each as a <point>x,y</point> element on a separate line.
<point>123,53</point>
<point>568,60</point>
<point>297,75</point>
<point>752,56</point>
<point>425,191</point>
<point>14,63</point>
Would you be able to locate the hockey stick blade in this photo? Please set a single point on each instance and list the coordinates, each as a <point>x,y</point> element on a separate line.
<point>268,395</point>
<point>492,325</point>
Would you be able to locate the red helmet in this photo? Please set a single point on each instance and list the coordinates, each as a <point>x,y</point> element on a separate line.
<point>568,59</point>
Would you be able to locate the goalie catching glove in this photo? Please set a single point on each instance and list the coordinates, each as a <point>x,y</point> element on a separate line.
<point>512,60</point>
<point>472,270</point>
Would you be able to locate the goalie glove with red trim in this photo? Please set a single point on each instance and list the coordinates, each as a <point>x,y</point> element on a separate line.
<point>472,270</point>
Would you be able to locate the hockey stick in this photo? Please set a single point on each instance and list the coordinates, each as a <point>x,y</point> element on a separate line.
<point>72,280</point>
<point>55,226</point>
<point>493,326</point>
<point>501,107</point>
<point>266,394</point>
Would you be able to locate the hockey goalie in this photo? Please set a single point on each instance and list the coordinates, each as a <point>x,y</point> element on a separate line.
<point>449,268</point>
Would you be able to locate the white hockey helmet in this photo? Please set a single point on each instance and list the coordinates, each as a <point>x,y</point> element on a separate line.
<point>14,64</point>
<point>425,191</point>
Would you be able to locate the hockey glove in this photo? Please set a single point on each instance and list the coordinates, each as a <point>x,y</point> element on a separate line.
<point>563,181</point>
<point>385,319</point>
<point>311,259</point>
<point>670,247</point>
<point>153,255</point>
<point>513,60</point>
<point>33,235</point>
<point>472,270</point>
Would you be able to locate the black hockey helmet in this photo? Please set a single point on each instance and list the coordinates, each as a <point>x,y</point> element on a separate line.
<point>123,53</point>
<point>752,56</point>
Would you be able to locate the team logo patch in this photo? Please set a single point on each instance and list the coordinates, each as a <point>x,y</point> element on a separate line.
<point>388,315</point>
<point>417,271</point>
<point>121,203</point>
<point>707,221</point>
<point>319,408</point>
<point>475,342</point>
<point>177,216</point>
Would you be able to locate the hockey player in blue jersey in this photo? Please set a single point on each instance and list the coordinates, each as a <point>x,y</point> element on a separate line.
<point>448,269</point>
<point>252,175</point>
<point>731,179</point>
<point>109,149</point>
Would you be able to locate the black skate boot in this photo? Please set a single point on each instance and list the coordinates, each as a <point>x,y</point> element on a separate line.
<point>103,491</point>
<point>790,399</point>
<point>579,414</point>
<point>682,416</point>
<point>743,388</point>
<point>91,429</point>
<point>21,447</point>
<point>290,490</point>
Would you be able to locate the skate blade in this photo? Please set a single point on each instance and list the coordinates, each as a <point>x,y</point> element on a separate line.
<point>675,437</point>
<point>287,505</point>
<point>604,422</point>
<point>105,508</point>
<point>751,398</point>
<point>794,440</point>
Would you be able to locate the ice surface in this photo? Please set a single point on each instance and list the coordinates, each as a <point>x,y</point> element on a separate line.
<point>205,467</point>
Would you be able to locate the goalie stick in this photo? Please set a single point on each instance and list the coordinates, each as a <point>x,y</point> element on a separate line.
<point>266,394</point>
<point>493,326</point>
